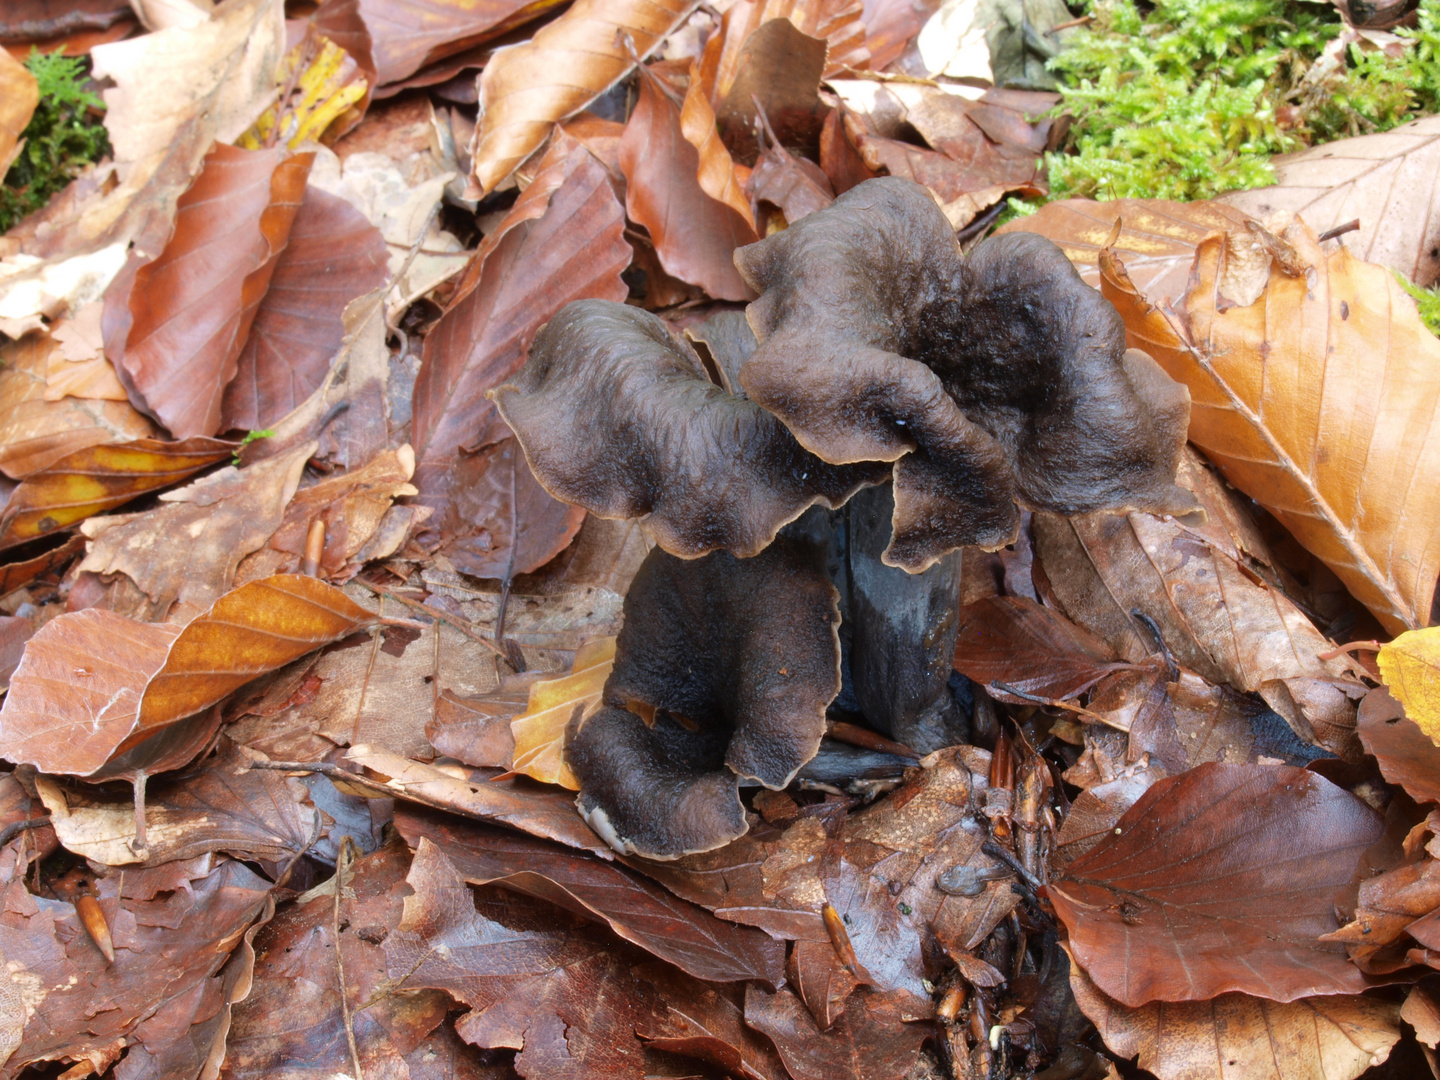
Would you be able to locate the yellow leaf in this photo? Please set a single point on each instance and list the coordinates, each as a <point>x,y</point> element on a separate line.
<point>329,83</point>
<point>1410,666</point>
<point>540,730</point>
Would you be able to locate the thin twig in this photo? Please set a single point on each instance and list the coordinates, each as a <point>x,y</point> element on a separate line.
<point>1054,703</point>
<point>459,624</point>
<point>1346,650</point>
<point>342,861</point>
<point>995,851</point>
<point>16,828</point>
<point>1340,230</point>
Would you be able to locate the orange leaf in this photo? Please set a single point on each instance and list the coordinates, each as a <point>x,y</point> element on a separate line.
<point>715,169</point>
<point>19,94</point>
<point>540,730</point>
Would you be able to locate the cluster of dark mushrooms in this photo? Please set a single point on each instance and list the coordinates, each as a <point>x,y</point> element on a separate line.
<point>885,402</point>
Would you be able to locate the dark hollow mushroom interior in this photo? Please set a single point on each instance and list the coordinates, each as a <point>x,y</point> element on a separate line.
<point>886,401</point>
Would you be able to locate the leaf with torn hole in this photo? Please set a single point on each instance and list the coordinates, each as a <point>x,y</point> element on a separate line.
<point>1232,869</point>
<point>94,685</point>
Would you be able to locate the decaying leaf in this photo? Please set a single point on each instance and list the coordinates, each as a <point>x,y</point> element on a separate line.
<point>1349,393</point>
<point>539,731</point>
<point>94,684</point>
<point>1221,879</point>
<point>569,62</point>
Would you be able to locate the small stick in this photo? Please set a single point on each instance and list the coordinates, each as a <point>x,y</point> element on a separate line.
<point>995,851</point>
<point>1354,646</point>
<point>854,735</point>
<point>1340,230</point>
<point>342,863</point>
<point>459,624</point>
<point>314,548</point>
<point>139,845</point>
<point>1054,703</point>
<point>1081,21</point>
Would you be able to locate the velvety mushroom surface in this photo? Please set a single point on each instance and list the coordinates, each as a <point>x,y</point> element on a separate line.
<point>723,669</point>
<point>992,380</point>
<point>616,414</point>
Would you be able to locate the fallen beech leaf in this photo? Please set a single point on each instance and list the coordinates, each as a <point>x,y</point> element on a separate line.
<point>1032,648</point>
<point>1220,879</point>
<point>1420,1011</point>
<point>1379,180</point>
<point>695,235</point>
<point>19,94</point>
<point>36,432</point>
<point>100,478</point>
<point>561,241</point>
<point>841,24</point>
<point>706,1021</point>
<point>14,575</point>
<point>1157,239</point>
<point>524,90</point>
<point>1217,615</point>
<point>539,731</point>
<point>318,84</point>
<point>78,367</point>
<point>777,73</point>
<point>1095,811</point>
<point>503,522</point>
<point>542,812</point>
<point>168,993</point>
<point>1314,1038</point>
<point>186,551</point>
<point>476,731</point>
<point>1351,381</point>
<point>597,889</point>
<point>1410,666</point>
<point>873,1040</point>
<point>175,330</point>
<point>332,257</point>
<point>715,171</point>
<point>409,34</point>
<point>292,1023</point>
<point>94,684</point>
<point>15,631</point>
<point>793,184</point>
<point>1405,753</point>
<point>1389,905</point>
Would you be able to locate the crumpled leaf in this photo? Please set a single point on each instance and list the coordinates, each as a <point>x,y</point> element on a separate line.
<point>873,1040</point>
<point>332,256</point>
<point>176,328</point>
<point>19,94</point>
<point>1220,879</point>
<point>694,234</point>
<point>169,990</point>
<point>1378,179</point>
<point>562,240</point>
<point>100,478</point>
<point>525,89</point>
<point>539,731</point>
<point>1315,1038</point>
<point>94,684</point>
<point>1350,387</point>
<point>1405,753</point>
<point>1410,666</point>
<point>1391,905</point>
<point>598,889</point>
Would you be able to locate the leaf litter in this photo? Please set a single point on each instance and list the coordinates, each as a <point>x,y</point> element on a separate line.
<point>275,560</point>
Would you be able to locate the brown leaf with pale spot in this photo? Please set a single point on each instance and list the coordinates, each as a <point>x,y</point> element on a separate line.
<point>100,478</point>
<point>93,685</point>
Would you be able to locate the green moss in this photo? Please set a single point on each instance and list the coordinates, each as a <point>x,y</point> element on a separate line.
<point>60,139</point>
<point>1427,300</point>
<point>1193,98</point>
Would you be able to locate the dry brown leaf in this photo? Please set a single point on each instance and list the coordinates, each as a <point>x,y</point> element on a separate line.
<point>408,34</point>
<point>94,684</point>
<point>1389,182</point>
<point>188,549</point>
<point>35,432</point>
<point>78,366</point>
<point>874,1039</point>
<point>539,731</point>
<point>839,23</point>
<point>100,478</point>
<point>569,62</point>
<point>19,94</point>
<point>175,329</point>
<point>715,171</point>
<point>1319,401</point>
<point>695,235</point>
<point>1316,1038</point>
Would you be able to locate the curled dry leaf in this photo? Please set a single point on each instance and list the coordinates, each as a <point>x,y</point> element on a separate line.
<point>539,731</point>
<point>561,241</point>
<point>776,76</point>
<point>1388,906</point>
<point>1328,379</point>
<point>695,235</point>
<point>1316,1038</point>
<point>636,909</point>
<point>175,329</point>
<point>1220,879</point>
<point>333,256</point>
<point>1385,181</point>
<point>567,64</point>
<point>100,478</point>
<point>1406,754</point>
<point>19,94</point>
<point>715,171</point>
<point>94,684</point>
<point>1410,666</point>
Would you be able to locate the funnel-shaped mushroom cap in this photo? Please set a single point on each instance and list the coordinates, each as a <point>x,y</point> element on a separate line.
<point>615,413</point>
<point>988,381</point>
<point>734,661</point>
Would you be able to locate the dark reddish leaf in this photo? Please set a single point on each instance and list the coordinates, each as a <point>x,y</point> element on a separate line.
<point>1389,905</point>
<point>706,1021</point>
<point>695,235</point>
<point>794,184</point>
<point>14,575</point>
<point>839,159</point>
<point>15,631</point>
<point>408,34</point>
<point>777,72</point>
<point>639,911</point>
<point>562,240</point>
<point>1019,643</point>
<point>476,730</point>
<point>333,256</point>
<point>501,521</point>
<point>1220,879</point>
<point>174,326</point>
<point>100,478</point>
<point>821,979</point>
<point>891,24</point>
<point>876,1038</point>
<point>1406,755</point>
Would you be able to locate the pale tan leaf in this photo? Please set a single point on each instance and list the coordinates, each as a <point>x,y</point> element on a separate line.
<point>539,731</point>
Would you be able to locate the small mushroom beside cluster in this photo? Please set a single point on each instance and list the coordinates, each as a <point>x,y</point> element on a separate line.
<point>915,398</point>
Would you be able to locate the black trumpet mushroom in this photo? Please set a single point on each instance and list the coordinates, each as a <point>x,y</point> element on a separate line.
<point>887,402</point>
